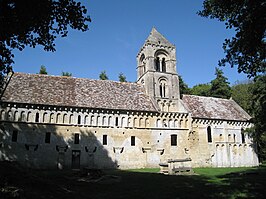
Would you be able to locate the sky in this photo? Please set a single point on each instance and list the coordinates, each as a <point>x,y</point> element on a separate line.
<point>118,30</point>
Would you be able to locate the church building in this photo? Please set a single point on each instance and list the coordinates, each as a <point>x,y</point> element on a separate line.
<point>65,122</point>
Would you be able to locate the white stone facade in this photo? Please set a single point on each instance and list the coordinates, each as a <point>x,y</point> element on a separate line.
<point>59,131</point>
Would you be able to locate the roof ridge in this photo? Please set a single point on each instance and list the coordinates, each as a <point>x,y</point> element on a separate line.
<point>208,97</point>
<point>80,78</point>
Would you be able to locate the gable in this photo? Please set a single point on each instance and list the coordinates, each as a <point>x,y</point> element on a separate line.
<point>214,108</point>
<point>76,92</point>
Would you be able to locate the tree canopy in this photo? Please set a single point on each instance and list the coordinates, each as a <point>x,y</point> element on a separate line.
<point>201,89</point>
<point>103,75</point>
<point>220,86</point>
<point>31,23</point>
<point>122,77</point>
<point>242,94</point>
<point>43,70</point>
<point>183,87</point>
<point>258,107</point>
<point>246,49</point>
<point>66,74</point>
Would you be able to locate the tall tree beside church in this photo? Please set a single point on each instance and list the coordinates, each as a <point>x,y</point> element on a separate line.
<point>43,70</point>
<point>31,23</point>
<point>122,77</point>
<point>201,89</point>
<point>220,86</point>
<point>183,87</point>
<point>247,49</point>
<point>242,94</point>
<point>103,75</point>
<point>258,107</point>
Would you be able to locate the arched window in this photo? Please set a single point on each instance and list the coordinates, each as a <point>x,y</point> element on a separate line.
<point>163,88</point>
<point>65,118</point>
<point>147,123</point>
<point>16,116</point>
<point>23,116</point>
<point>37,117</point>
<point>52,118</point>
<point>209,134</point>
<point>243,136</point>
<point>116,121</point>
<point>86,120</point>
<point>45,116</point>
<point>163,65</point>
<point>29,116</point>
<point>79,119</point>
<point>71,119</point>
<point>157,64</point>
<point>58,118</point>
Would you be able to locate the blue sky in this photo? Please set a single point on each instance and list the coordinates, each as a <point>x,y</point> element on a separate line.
<point>119,29</point>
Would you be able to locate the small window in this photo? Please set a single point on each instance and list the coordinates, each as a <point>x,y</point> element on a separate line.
<point>104,139</point>
<point>243,136</point>
<point>173,140</point>
<point>209,134</point>
<point>15,136</point>
<point>116,121</point>
<point>79,119</point>
<point>163,65</point>
<point>37,117</point>
<point>157,64</point>
<point>76,138</point>
<point>47,137</point>
<point>133,140</point>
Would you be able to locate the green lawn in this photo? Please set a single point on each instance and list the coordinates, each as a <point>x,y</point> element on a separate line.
<point>137,183</point>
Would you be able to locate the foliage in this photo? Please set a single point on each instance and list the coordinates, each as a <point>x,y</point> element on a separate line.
<point>183,87</point>
<point>122,77</point>
<point>31,23</point>
<point>43,70</point>
<point>103,75</point>
<point>201,89</point>
<point>246,49</point>
<point>220,86</point>
<point>67,74</point>
<point>258,107</point>
<point>242,94</point>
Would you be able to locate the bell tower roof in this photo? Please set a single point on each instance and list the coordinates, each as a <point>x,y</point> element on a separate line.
<point>157,38</point>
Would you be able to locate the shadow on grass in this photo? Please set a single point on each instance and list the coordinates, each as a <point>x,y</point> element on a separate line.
<point>133,184</point>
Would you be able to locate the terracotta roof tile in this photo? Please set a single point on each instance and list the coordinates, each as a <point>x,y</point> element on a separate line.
<point>214,108</point>
<point>76,92</point>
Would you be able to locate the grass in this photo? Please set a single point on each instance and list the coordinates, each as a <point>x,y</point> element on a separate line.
<point>16,182</point>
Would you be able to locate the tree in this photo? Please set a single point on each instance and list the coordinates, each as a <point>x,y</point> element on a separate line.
<point>258,107</point>
<point>220,86</point>
<point>43,70</point>
<point>183,87</point>
<point>201,89</point>
<point>31,23</point>
<point>242,94</point>
<point>67,74</point>
<point>122,77</point>
<point>103,75</point>
<point>246,49</point>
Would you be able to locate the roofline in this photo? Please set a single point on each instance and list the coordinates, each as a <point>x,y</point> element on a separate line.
<point>77,107</point>
<point>81,78</point>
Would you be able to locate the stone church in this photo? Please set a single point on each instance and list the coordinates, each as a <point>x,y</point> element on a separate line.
<point>64,122</point>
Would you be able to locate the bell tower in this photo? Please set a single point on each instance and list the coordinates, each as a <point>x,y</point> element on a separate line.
<point>156,68</point>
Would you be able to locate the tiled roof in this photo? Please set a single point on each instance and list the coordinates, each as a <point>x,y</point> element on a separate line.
<point>156,37</point>
<point>214,108</point>
<point>76,92</point>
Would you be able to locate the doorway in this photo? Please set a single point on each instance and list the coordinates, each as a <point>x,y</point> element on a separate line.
<point>75,159</point>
